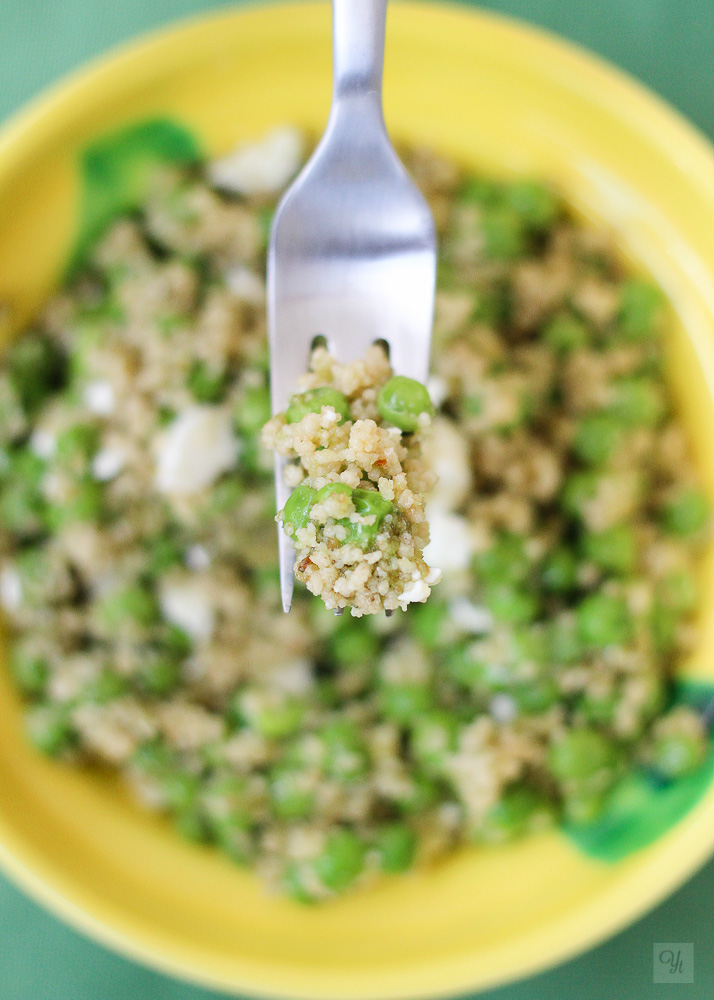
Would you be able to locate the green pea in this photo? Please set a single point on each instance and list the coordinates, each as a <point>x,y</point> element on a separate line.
<point>176,642</point>
<point>565,333</point>
<point>191,824</point>
<point>226,496</point>
<point>638,402</point>
<point>396,845</point>
<point>564,641</point>
<point>583,805</point>
<point>331,488</point>
<point>528,645</point>
<point>345,756</point>
<point>169,322</point>
<point>640,309</point>
<point>314,400</point>
<point>493,304</point>
<point>294,884</point>
<point>235,839</point>
<point>481,191</point>
<point>77,444</point>
<point>429,623</point>
<point>604,620</point>
<point>401,401</point>
<point>353,645</point>
<point>535,202</point>
<point>367,503</point>
<point>265,221</point>
<point>226,800</point>
<point>159,674</point>
<point>664,626</point>
<point>342,860</point>
<point>106,687</point>
<point>85,503</point>
<point>599,708</point>
<point>422,794</point>
<point>434,736</point>
<point>579,754</point>
<point>276,722</point>
<point>559,573</point>
<point>580,488</point>
<point>164,551</point>
<point>403,703</point>
<point>22,506</point>
<point>207,384</point>
<point>613,550</point>
<point>677,754</point>
<point>511,604</point>
<point>266,580</point>
<point>291,798</point>
<point>687,514</point>
<point>135,603</point>
<point>517,812</point>
<point>180,788</point>
<point>153,759</point>
<point>30,670</point>
<point>537,695</point>
<point>49,728</point>
<point>296,513</point>
<point>504,236</point>
<point>37,367</point>
<point>252,411</point>
<point>165,415</point>
<point>505,562</point>
<point>35,570</point>
<point>679,591</point>
<point>597,438</point>
<point>462,665</point>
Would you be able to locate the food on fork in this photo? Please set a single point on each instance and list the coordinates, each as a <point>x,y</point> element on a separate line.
<point>356,515</point>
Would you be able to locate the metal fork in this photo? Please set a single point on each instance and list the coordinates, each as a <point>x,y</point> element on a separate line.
<point>352,254</point>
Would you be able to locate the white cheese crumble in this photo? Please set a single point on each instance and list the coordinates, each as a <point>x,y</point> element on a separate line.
<point>195,449</point>
<point>438,389</point>
<point>43,444</point>
<point>450,546</point>
<point>503,708</point>
<point>470,617</point>
<point>446,451</point>
<point>99,397</point>
<point>10,588</point>
<point>414,592</point>
<point>106,464</point>
<point>246,285</point>
<point>197,557</point>
<point>189,606</point>
<point>261,167</point>
<point>293,677</point>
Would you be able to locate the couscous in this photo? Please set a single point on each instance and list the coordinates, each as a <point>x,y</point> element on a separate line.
<point>138,541</point>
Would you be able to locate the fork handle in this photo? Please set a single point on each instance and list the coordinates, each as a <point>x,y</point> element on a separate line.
<point>358,47</point>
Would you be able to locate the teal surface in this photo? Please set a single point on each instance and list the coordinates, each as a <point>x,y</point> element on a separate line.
<point>666,43</point>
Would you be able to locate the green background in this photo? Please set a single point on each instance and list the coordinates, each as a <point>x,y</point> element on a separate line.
<point>666,43</point>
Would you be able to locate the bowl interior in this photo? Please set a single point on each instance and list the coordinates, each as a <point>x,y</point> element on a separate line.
<point>496,96</point>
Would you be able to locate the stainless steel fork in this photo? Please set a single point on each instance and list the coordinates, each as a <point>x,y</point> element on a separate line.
<point>352,254</point>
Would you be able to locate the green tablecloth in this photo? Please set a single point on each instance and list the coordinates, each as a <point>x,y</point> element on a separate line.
<point>666,43</point>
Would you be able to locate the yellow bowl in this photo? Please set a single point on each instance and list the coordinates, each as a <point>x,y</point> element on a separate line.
<point>496,95</point>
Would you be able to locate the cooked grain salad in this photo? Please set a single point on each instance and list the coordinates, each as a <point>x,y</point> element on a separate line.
<point>139,556</point>
<point>356,514</point>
